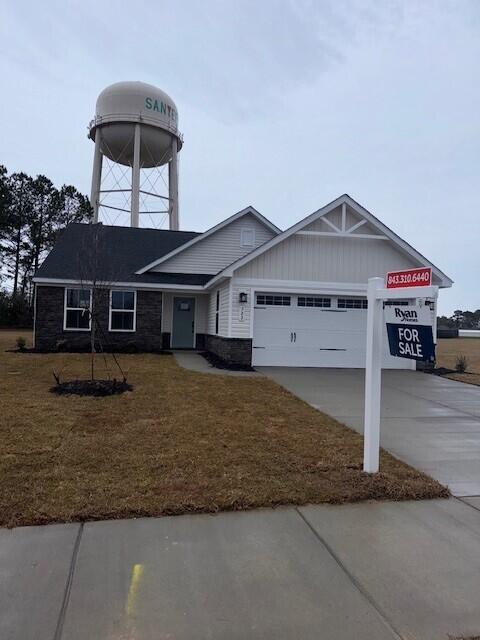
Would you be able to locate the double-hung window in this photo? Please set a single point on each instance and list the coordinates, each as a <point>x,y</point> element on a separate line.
<point>77,315</point>
<point>122,310</point>
<point>217,311</point>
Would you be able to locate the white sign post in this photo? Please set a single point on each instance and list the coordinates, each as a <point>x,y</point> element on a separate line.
<point>376,294</point>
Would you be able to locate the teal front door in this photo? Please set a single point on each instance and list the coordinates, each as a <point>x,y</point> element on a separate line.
<point>183,325</point>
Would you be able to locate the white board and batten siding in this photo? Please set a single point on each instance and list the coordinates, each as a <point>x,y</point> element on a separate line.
<point>240,324</point>
<point>218,250</point>
<point>223,311</point>
<point>326,259</point>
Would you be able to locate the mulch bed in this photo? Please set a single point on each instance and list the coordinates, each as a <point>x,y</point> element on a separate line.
<point>98,388</point>
<point>219,363</point>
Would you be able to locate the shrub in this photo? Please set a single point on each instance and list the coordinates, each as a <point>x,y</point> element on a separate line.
<point>21,343</point>
<point>461,364</point>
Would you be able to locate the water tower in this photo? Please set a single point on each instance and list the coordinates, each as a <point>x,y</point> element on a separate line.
<point>136,128</point>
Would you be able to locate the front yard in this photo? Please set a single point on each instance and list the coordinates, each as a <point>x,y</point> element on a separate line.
<point>448,349</point>
<point>179,442</point>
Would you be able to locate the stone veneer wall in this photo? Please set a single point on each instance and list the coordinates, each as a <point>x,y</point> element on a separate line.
<point>233,350</point>
<point>50,335</point>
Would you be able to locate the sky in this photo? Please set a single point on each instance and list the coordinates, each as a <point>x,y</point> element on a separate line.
<point>283,104</point>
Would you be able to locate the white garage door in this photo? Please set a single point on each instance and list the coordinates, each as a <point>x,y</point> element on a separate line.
<point>313,331</point>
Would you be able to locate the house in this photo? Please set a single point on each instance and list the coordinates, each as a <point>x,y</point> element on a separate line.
<point>242,290</point>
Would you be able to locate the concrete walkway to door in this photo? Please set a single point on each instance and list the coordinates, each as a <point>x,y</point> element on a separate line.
<point>429,422</point>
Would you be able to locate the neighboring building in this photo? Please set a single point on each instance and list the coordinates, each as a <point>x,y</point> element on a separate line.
<point>242,290</point>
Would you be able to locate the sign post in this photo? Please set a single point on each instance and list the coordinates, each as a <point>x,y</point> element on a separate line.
<point>373,377</point>
<point>410,336</point>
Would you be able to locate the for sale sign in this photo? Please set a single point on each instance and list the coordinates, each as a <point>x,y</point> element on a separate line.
<point>421,277</point>
<point>410,334</point>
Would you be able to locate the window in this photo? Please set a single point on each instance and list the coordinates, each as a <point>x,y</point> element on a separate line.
<point>396,303</point>
<point>352,303</point>
<point>313,301</point>
<point>217,310</point>
<point>122,310</point>
<point>273,300</point>
<point>247,238</point>
<point>77,309</point>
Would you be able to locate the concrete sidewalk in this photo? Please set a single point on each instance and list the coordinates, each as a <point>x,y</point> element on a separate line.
<point>194,361</point>
<point>374,571</point>
<point>429,422</point>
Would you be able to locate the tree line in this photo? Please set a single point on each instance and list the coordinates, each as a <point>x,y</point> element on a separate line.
<point>32,213</point>
<point>461,320</point>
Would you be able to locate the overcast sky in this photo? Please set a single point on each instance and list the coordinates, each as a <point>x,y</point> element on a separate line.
<point>284,104</point>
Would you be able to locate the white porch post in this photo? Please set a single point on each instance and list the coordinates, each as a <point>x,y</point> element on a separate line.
<point>373,377</point>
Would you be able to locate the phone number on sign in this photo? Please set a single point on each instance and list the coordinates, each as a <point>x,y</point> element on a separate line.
<point>420,277</point>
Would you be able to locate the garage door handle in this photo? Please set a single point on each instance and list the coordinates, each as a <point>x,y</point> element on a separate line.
<point>291,336</point>
<point>294,336</point>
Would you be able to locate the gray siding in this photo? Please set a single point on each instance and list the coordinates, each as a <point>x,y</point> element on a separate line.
<point>326,259</point>
<point>218,250</point>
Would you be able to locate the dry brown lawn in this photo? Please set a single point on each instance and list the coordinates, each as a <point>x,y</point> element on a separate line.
<point>179,442</point>
<point>449,348</point>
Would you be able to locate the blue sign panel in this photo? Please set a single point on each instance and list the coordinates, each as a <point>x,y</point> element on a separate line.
<point>412,341</point>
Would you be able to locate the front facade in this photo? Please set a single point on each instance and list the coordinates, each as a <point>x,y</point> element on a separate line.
<point>242,290</point>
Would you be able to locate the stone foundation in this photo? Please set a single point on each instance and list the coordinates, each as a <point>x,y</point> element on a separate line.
<point>233,350</point>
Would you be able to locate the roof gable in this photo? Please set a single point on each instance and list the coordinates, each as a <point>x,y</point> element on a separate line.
<point>341,218</point>
<point>248,211</point>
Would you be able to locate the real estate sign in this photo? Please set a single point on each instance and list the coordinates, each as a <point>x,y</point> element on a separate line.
<point>410,333</point>
<point>421,277</point>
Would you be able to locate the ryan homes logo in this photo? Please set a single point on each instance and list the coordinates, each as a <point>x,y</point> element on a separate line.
<point>406,315</point>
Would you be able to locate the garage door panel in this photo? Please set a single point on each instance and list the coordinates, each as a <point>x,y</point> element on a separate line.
<point>306,318</point>
<point>321,338</point>
<point>328,339</point>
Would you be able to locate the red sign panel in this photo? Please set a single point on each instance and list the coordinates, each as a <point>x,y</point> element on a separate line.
<point>421,277</point>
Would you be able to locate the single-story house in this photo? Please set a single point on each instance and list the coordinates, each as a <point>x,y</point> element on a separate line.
<point>243,290</point>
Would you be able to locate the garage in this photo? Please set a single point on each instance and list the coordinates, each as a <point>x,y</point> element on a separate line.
<point>300,298</point>
<point>304,330</point>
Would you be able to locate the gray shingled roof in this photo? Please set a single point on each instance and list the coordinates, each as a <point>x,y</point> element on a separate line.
<point>120,252</point>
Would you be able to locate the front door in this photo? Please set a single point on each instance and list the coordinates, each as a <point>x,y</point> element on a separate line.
<point>183,325</point>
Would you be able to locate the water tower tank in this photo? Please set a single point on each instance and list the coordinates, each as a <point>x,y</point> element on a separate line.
<point>136,124</point>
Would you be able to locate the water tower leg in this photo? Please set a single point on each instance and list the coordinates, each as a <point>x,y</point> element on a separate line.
<point>135,205</point>
<point>173,188</point>
<point>96,176</point>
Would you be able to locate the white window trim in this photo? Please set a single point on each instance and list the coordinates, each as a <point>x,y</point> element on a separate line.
<point>134,311</point>
<point>243,232</point>
<point>65,328</point>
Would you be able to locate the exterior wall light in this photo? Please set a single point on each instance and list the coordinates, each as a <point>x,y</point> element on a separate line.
<point>243,297</point>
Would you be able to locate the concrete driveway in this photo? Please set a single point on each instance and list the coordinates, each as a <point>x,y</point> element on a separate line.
<point>430,422</point>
